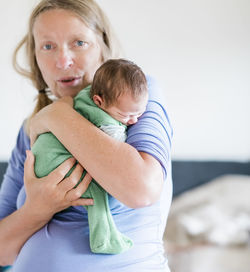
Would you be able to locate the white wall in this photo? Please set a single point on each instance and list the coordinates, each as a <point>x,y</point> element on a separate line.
<point>198,50</point>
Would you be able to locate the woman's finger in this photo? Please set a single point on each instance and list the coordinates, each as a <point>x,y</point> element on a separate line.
<point>71,181</point>
<point>83,202</point>
<point>57,175</point>
<point>77,192</point>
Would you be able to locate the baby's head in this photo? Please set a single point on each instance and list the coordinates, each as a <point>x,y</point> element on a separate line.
<point>120,88</point>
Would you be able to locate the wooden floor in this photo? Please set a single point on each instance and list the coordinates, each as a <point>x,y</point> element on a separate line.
<point>211,259</point>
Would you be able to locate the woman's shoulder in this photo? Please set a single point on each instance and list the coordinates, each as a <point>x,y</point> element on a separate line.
<point>22,144</point>
<point>157,101</point>
<point>155,91</point>
<point>13,177</point>
<point>23,138</point>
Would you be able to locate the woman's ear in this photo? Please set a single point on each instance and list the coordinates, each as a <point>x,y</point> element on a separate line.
<point>98,100</point>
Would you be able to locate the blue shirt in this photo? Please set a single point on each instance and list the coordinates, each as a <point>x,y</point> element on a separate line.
<point>63,243</point>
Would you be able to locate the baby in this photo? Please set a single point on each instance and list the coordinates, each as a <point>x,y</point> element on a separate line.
<point>117,98</point>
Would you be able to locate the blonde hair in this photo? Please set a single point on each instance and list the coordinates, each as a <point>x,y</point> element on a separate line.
<point>91,14</point>
<point>116,77</point>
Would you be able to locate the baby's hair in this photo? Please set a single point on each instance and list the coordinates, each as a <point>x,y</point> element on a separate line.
<point>116,77</point>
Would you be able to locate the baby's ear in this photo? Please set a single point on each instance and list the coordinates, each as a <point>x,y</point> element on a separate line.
<point>98,100</point>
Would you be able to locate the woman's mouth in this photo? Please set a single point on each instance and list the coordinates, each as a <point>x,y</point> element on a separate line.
<point>69,81</point>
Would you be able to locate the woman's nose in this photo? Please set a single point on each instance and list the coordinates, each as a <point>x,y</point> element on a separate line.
<point>64,59</point>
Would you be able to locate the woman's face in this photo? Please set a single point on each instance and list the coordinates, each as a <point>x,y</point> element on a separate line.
<point>67,51</point>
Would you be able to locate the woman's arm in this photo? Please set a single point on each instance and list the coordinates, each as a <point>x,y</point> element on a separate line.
<point>44,197</point>
<point>15,230</point>
<point>135,178</point>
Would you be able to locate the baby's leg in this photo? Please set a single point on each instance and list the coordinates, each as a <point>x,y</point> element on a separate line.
<point>104,235</point>
<point>49,154</point>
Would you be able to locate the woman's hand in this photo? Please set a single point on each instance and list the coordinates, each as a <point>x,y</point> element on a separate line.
<point>53,193</point>
<point>37,124</point>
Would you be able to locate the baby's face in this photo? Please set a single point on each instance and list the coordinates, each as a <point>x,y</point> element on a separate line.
<point>127,110</point>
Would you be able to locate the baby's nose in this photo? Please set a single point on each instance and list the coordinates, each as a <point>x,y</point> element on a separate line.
<point>132,120</point>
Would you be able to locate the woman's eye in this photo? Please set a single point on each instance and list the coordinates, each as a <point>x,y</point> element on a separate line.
<point>81,43</point>
<point>47,46</point>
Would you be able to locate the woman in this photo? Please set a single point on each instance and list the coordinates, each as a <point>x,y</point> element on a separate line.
<point>42,227</point>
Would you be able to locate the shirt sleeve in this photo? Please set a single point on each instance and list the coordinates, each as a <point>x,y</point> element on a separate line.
<point>13,178</point>
<point>153,132</point>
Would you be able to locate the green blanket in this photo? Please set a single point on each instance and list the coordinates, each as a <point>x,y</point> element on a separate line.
<point>50,153</point>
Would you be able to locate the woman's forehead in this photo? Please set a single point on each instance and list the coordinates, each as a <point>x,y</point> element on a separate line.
<point>55,21</point>
<point>58,15</point>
